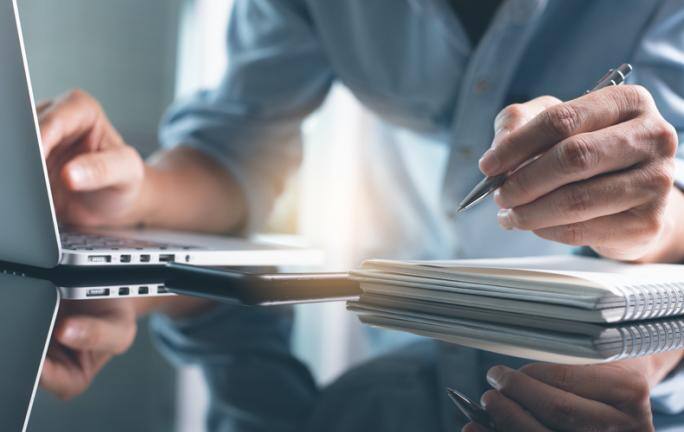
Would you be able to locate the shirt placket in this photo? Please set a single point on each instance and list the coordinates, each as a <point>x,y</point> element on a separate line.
<point>483,91</point>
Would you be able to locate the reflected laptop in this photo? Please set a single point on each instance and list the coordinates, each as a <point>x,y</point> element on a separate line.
<point>96,283</point>
<point>28,308</point>
<point>29,233</point>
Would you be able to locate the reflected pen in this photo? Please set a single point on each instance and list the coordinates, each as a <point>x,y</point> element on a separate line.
<point>488,185</point>
<point>471,410</point>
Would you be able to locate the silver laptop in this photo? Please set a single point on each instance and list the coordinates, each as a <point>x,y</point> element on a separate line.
<point>29,233</point>
<point>28,308</point>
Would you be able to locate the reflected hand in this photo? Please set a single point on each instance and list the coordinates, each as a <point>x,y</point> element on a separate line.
<point>603,177</point>
<point>96,178</point>
<point>542,397</point>
<point>86,336</point>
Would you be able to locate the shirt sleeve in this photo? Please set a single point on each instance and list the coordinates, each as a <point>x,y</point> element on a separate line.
<point>276,75</point>
<point>659,66</point>
<point>255,383</point>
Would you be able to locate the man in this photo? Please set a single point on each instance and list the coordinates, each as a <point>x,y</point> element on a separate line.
<point>441,70</point>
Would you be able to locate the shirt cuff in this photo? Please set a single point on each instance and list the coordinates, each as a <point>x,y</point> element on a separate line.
<point>668,396</point>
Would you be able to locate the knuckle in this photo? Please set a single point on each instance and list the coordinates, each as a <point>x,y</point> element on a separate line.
<point>562,409</point>
<point>636,96</point>
<point>652,223</point>
<point>666,138</point>
<point>662,179</point>
<point>571,234</point>
<point>561,120</point>
<point>637,391</point>
<point>576,155</point>
<point>562,376</point>
<point>576,200</point>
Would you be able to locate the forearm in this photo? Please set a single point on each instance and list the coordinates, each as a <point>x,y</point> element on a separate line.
<point>186,190</point>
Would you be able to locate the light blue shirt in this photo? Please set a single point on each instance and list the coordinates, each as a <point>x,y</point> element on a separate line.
<point>410,63</point>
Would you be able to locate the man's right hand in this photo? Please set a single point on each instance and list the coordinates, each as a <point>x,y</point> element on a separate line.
<point>96,178</point>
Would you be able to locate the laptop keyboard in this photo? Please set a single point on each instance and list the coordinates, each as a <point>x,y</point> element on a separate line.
<point>86,242</point>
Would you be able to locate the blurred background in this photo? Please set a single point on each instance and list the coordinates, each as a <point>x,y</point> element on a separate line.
<point>135,58</point>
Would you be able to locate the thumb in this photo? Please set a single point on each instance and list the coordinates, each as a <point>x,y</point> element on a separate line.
<point>516,115</point>
<point>114,335</point>
<point>102,169</point>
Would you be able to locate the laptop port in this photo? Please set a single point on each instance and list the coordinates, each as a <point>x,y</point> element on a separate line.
<point>161,289</point>
<point>99,259</point>
<point>143,290</point>
<point>97,292</point>
<point>125,258</point>
<point>166,258</point>
<point>124,291</point>
<point>144,258</point>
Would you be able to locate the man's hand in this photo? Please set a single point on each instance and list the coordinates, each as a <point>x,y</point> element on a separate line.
<point>96,178</point>
<point>602,177</point>
<point>99,180</point>
<point>87,335</point>
<point>543,397</point>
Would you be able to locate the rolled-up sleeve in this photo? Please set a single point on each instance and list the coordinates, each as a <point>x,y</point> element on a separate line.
<point>276,75</point>
<point>255,383</point>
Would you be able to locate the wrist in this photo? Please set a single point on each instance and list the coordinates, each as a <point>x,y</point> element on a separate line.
<point>669,245</point>
<point>147,203</point>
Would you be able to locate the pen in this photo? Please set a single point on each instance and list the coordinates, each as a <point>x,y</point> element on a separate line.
<point>489,184</point>
<point>471,410</point>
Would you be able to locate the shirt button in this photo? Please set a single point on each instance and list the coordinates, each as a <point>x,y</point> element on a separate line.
<point>482,86</point>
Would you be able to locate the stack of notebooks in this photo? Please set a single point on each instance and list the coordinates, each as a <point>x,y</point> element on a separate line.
<point>565,309</point>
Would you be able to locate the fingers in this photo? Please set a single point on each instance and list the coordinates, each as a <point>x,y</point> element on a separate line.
<point>102,169</point>
<point>623,234</point>
<point>474,427</point>
<point>610,383</point>
<point>553,407</point>
<point>593,111</point>
<point>508,415</point>
<point>68,119</point>
<point>105,335</point>
<point>579,202</point>
<point>578,158</point>
<point>514,116</point>
<point>67,375</point>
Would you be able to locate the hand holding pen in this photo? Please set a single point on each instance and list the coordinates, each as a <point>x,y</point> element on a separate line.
<point>595,171</point>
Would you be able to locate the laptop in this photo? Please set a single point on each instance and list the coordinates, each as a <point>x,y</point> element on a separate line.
<point>29,233</point>
<point>28,308</point>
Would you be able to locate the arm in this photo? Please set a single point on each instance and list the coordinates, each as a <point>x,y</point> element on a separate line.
<point>228,153</point>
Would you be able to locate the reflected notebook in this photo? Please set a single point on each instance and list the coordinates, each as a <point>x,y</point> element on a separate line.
<point>563,287</point>
<point>526,336</point>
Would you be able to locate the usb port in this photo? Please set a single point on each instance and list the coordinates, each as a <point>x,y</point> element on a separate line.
<point>125,258</point>
<point>144,258</point>
<point>166,258</point>
<point>124,291</point>
<point>143,290</point>
<point>99,259</point>
<point>97,292</point>
<point>161,289</point>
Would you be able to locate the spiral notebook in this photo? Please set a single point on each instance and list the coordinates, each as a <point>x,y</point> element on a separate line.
<point>565,287</point>
<point>526,336</point>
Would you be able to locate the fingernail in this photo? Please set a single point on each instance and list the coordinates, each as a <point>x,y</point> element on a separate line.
<point>497,198</point>
<point>489,162</point>
<point>73,333</point>
<point>505,219</point>
<point>495,376</point>
<point>78,175</point>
